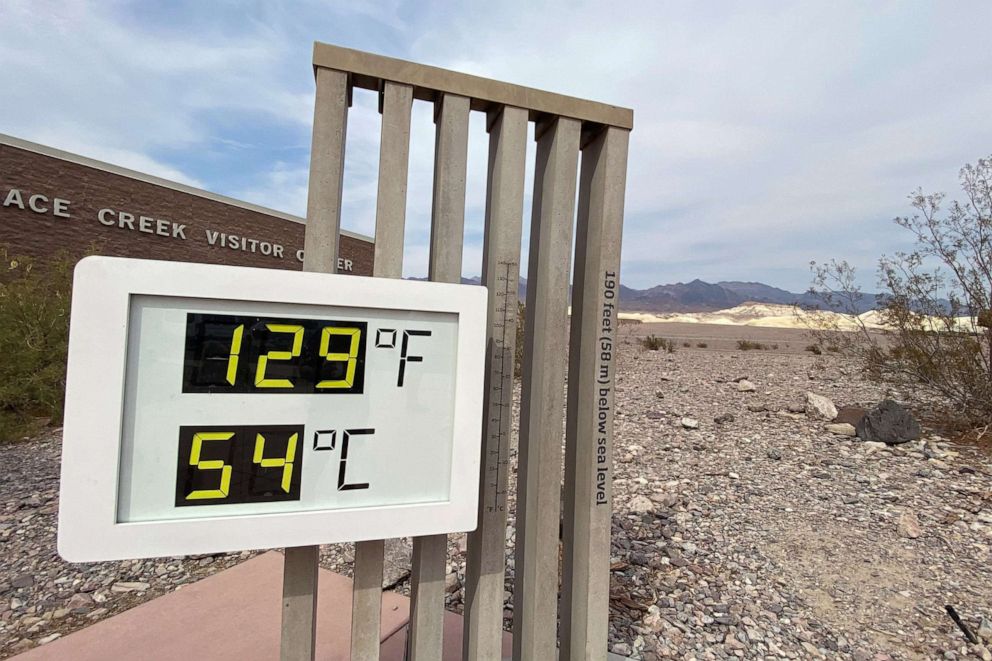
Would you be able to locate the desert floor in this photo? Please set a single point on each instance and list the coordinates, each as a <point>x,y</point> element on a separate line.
<point>760,536</point>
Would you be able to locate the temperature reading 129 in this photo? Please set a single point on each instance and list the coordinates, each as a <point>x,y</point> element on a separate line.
<point>242,354</point>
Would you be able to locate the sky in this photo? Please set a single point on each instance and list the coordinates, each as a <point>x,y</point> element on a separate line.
<point>766,134</point>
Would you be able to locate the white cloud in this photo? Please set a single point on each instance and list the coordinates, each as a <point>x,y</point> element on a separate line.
<point>765,134</point>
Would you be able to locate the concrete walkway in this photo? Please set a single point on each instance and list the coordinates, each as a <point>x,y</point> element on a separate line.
<point>235,615</point>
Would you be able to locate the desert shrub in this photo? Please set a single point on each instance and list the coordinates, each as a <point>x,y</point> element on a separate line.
<point>34,338</point>
<point>936,336</point>
<point>814,349</point>
<point>701,345</point>
<point>686,344</point>
<point>653,343</point>
<point>748,345</point>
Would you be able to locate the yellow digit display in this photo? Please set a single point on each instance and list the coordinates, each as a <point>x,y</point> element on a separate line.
<point>230,465</point>
<point>286,463</point>
<point>260,380</point>
<point>351,357</point>
<point>232,360</point>
<point>210,464</point>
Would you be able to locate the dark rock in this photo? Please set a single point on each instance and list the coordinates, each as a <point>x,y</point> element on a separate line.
<point>850,414</point>
<point>23,581</point>
<point>774,453</point>
<point>724,418</point>
<point>889,423</point>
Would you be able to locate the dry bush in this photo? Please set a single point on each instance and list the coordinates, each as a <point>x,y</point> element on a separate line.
<point>652,343</point>
<point>748,345</point>
<point>935,303</point>
<point>34,338</point>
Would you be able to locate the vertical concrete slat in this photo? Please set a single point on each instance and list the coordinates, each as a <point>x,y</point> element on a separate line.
<point>591,375</point>
<point>486,564</point>
<point>447,234</point>
<point>330,124</point>
<point>541,415</point>
<point>330,120</point>
<point>390,218</point>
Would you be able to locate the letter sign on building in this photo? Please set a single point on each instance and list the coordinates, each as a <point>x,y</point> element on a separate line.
<point>218,408</point>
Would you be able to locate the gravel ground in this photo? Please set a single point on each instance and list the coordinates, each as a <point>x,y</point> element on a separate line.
<point>761,536</point>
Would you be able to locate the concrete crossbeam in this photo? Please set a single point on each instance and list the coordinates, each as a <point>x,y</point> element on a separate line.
<point>368,71</point>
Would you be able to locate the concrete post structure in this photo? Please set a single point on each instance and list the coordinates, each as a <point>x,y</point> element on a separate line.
<point>330,122</point>
<point>395,104</point>
<point>589,426</point>
<point>535,607</point>
<point>486,565</point>
<point>562,124</point>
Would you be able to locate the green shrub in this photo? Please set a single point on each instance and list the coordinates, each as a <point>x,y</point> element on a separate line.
<point>34,338</point>
<point>748,345</point>
<point>653,343</point>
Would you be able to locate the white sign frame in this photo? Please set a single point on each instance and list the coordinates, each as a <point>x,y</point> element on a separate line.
<point>94,406</point>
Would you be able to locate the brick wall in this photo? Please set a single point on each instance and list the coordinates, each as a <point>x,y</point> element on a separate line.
<point>139,219</point>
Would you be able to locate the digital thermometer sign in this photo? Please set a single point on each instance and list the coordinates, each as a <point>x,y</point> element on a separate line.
<point>214,408</point>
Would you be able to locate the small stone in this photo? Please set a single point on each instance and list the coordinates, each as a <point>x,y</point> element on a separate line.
<point>841,429</point>
<point>818,406</point>
<point>690,423</point>
<point>129,586</point>
<point>774,453</point>
<point>966,470</point>
<point>623,649</point>
<point>745,386</point>
<point>909,525</point>
<point>641,504</point>
<point>451,583</point>
<point>23,581</point>
<point>22,645</point>
<point>49,638</point>
<point>724,418</point>
<point>757,408</point>
<point>985,629</point>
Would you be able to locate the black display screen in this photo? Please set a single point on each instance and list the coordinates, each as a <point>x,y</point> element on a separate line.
<point>242,354</point>
<point>220,465</point>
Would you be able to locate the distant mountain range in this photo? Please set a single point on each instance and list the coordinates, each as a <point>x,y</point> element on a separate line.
<point>699,296</point>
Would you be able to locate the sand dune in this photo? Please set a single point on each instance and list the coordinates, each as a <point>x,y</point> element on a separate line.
<point>767,315</point>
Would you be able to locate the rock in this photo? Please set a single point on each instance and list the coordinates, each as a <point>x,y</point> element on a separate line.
<point>80,600</point>
<point>641,504</point>
<point>623,649</point>
<point>690,423</point>
<point>129,586</point>
<point>985,629</point>
<point>49,638</point>
<point>774,453</point>
<point>398,554</point>
<point>889,423</point>
<point>757,408</point>
<point>745,386</point>
<point>850,414</point>
<point>23,581</point>
<point>724,418</point>
<point>451,583</point>
<point>22,645</point>
<point>909,525</point>
<point>818,406</point>
<point>841,429</point>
